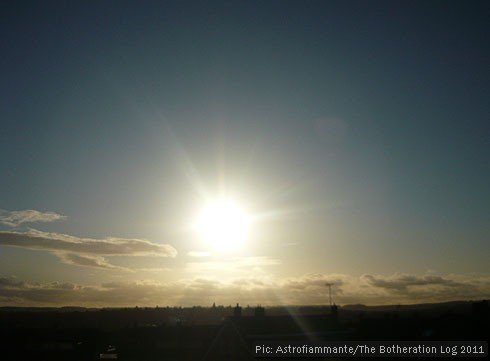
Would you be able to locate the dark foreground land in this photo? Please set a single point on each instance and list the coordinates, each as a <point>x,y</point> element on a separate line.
<point>223,333</point>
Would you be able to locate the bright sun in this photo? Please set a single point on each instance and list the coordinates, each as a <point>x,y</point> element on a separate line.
<point>223,225</point>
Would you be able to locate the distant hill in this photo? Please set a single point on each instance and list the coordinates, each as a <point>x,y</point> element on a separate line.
<point>416,306</point>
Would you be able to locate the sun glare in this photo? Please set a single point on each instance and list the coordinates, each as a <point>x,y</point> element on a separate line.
<point>223,225</point>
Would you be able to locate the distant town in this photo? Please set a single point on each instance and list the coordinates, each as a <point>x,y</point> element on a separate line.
<point>223,332</point>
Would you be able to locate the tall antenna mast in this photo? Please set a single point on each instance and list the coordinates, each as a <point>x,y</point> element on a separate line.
<point>329,285</point>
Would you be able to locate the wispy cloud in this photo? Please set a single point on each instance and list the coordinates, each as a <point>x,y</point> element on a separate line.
<point>111,246</point>
<point>87,261</point>
<point>16,218</point>
<point>198,254</point>
<point>231,267</point>
<point>86,252</point>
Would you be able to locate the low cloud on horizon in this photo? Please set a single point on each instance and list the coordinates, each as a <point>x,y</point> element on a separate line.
<point>308,289</point>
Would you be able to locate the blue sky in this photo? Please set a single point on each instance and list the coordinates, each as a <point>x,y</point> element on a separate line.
<point>355,133</point>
